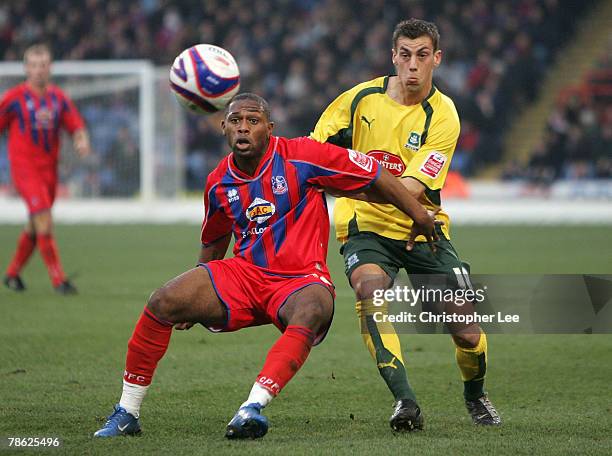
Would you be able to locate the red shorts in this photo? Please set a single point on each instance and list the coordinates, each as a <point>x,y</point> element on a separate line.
<point>36,186</point>
<point>253,297</point>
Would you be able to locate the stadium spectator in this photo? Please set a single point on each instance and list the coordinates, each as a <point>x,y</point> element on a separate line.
<point>267,194</point>
<point>495,51</point>
<point>33,112</point>
<point>577,142</point>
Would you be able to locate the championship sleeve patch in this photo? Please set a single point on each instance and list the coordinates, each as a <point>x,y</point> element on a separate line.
<point>361,160</point>
<point>433,164</point>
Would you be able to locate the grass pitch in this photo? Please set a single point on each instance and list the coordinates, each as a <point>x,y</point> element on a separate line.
<point>61,360</point>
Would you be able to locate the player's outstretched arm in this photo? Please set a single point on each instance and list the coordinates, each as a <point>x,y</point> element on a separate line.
<point>415,188</point>
<point>389,189</point>
<point>81,142</point>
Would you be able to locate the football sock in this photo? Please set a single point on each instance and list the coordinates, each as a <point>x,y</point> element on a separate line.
<point>25,246</point>
<point>132,397</point>
<point>146,347</point>
<point>285,358</point>
<point>48,250</point>
<point>472,363</point>
<point>258,395</point>
<point>384,346</point>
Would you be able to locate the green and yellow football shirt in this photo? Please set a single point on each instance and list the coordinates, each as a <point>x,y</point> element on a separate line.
<point>415,141</point>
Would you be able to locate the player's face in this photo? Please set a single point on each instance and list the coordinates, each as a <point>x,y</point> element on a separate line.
<point>38,68</point>
<point>247,129</point>
<point>415,61</point>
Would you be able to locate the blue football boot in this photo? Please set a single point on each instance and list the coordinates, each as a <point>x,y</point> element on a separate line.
<point>248,423</point>
<point>119,423</point>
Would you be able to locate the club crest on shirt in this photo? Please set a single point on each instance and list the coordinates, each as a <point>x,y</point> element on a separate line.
<point>279,185</point>
<point>44,118</point>
<point>260,210</point>
<point>414,141</point>
<point>433,164</point>
<point>361,160</point>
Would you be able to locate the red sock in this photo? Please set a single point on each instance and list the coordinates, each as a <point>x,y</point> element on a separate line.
<point>25,246</point>
<point>285,358</point>
<point>146,347</point>
<point>48,251</point>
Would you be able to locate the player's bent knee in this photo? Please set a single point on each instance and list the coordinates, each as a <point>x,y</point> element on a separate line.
<point>42,222</point>
<point>319,314</point>
<point>467,339</point>
<point>365,285</point>
<point>314,312</point>
<point>162,305</point>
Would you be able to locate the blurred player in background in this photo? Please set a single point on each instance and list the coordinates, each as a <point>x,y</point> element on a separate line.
<point>411,128</point>
<point>267,193</point>
<point>33,112</point>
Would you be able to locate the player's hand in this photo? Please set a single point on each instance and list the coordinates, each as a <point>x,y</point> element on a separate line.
<point>183,326</point>
<point>83,148</point>
<point>425,226</point>
<point>81,143</point>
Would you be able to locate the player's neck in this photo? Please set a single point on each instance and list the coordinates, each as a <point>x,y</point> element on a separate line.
<point>247,165</point>
<point>400,94</point>
<point>37,88</point>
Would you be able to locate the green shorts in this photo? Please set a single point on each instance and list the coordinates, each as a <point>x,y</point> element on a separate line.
<point>391,255</point>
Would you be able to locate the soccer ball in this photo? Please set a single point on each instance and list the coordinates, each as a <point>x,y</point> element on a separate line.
<point>204,78</point>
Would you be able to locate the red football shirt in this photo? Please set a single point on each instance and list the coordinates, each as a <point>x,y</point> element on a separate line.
<point>278,217</point>
<point>34,123</point>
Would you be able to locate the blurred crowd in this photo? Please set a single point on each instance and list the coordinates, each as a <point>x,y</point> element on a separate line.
<point>301,54</point>
<point>578,140</point>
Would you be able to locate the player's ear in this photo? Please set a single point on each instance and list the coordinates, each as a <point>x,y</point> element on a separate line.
<point>223,126</point>
<point>270,126</point>
<point>437,57</point>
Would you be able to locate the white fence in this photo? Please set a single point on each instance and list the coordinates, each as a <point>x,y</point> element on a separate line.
<point>490,204</point>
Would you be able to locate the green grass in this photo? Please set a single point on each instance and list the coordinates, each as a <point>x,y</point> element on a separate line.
<point>61,359</point>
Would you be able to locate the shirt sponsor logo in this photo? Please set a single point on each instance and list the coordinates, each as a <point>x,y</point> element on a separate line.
<point>361,160</point>
<point>414,141</point>
<point>260,210</point>
<point>279,185</point>
<point>433,164</point>
<point>254,231</point>
<point>391,162</point>
<point>232,195</point>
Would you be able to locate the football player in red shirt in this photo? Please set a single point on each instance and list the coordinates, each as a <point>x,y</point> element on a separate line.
<point>33,112</point>
<point>267,194</point>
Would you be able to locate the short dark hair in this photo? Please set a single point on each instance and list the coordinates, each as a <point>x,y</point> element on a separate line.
<point>414,28</point>
<point>264,105</point>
